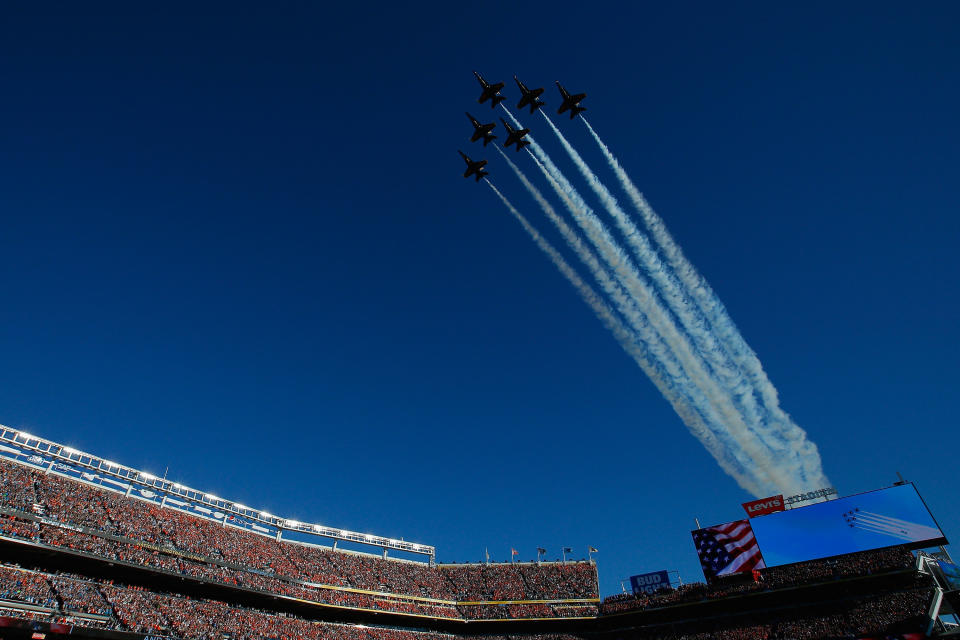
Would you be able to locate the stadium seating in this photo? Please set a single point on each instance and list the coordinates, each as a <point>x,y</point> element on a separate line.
<point>806,573</point>
<point>128,608</point>
<point>63,515</point>
<point>110,525</point>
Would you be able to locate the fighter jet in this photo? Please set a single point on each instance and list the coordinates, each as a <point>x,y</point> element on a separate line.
<point>571,102</point>
<point>481,130</point>
<point>515,136</point>
<point>529,96</point>
<point>490,91</point>
<point>474,167</point>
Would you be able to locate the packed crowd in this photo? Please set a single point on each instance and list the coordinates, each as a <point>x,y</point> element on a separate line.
<point>25,586</point>
<point>884,615</point>
<point>805,573</point>
<point>136,609</point>
<point>130,530</point>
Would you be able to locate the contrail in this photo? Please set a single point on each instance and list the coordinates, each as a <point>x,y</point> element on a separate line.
<point>631,343</point>
<point>771,455</point>
<point>792,436</point>
<point>731,426</point>
<point>652,342</point>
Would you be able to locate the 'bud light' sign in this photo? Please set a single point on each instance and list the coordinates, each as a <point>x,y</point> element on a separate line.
<point>649,582</point>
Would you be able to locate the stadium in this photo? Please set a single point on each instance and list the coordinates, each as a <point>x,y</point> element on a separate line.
<point>95,549</point>
<point>435,285</point>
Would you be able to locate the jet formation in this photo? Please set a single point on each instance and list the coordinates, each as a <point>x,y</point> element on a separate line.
<point>530,98</point>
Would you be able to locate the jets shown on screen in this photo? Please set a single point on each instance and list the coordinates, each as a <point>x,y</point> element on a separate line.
<point>490,91</point>
<point>515,136</point>
<point>571,102</point>
<point>481,130</point>
<point>529,96</point>
<point>474,167</point>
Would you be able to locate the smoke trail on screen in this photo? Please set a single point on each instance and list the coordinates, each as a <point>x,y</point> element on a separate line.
<point>802,453</point>
<point>630,341</point>
<point>731,427</point>
<point>913,529</point>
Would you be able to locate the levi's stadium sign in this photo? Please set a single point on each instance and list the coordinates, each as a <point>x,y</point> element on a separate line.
<point>764,506</point>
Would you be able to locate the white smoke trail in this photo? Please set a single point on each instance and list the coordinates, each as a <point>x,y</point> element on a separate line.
<point>900,535</point>
<point>780,431</point>
<point>916,530</point>
<point>747,427</point>
<point>652,341</point>
<point>630,341</point>
<point>730,426</point>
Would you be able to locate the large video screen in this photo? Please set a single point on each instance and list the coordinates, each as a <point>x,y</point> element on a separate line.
<point>873,520</point>
<point>884,518</point>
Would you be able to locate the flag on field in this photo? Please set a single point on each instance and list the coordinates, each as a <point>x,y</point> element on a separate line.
<point>541,550</point>
<point>726,549</point>
<point>514,552</point>
<point>592,549</point>
<point>567,550</point>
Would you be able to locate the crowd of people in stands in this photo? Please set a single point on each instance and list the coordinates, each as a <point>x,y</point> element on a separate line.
<point>130,608</point>
<point>126,529</point>
<point>63,513</point>
<point>26,586</point>
<point>805,573</point>
<point>885,615</point>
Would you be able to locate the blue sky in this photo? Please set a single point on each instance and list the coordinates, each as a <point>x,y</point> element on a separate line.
<point>236,243</point>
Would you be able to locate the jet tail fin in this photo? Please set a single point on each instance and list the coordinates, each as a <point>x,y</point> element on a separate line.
<point>496,100</point>
<point>481,173</point>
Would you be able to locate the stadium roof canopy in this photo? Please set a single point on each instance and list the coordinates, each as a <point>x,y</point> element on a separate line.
<point>53,452</point>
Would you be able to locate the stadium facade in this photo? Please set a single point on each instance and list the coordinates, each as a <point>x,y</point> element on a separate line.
<point>92,548</point>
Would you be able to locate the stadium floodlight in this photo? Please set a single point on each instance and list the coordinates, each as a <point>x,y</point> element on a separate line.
<point>29,444</point>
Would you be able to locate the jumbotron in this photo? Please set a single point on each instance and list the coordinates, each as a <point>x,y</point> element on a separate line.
<point>95,549</point>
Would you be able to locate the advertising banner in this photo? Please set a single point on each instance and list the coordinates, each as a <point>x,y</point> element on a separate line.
<point>649,582</point>
<point>764,506</point>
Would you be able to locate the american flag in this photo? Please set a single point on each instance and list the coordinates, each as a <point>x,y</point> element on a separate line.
<point>727,548</point>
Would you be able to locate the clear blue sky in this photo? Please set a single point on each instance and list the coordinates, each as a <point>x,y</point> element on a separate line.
<point>237,243</point>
